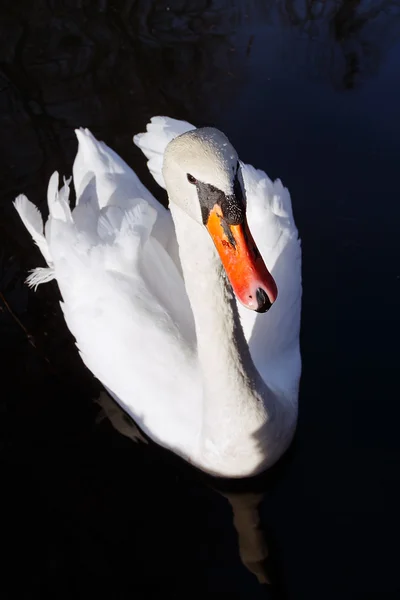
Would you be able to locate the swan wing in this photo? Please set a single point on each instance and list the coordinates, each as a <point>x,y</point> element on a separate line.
<point>101,175</point>
<point>274,337</point>
<point>124,300</point>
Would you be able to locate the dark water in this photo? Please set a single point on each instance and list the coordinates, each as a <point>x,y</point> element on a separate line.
<point>310,92</point>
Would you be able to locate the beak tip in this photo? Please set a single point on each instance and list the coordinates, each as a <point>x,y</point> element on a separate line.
<point>263,302</point>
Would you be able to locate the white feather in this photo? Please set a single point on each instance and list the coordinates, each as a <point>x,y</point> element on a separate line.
<point>160,131</point>
<point>32,219</point>
<point>40,275</point>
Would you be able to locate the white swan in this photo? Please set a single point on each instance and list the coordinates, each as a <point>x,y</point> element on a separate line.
<point>173,351</point>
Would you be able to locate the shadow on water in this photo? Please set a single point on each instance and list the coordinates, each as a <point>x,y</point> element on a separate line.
<point>308,91</point>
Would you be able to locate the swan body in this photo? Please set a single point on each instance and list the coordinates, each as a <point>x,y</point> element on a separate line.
<point>146,295</point>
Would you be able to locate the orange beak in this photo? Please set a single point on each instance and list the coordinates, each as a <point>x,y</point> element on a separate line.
<point>250,279</point>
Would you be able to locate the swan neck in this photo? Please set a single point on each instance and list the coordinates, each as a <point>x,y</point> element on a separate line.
<point>235,396</point>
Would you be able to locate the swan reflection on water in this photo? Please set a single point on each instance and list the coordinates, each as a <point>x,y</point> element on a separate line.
<point>244,496</point>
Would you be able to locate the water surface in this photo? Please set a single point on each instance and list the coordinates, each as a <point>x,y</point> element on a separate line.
<point>309,92</point>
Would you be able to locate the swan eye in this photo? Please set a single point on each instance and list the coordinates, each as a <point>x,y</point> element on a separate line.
<point>191,179</point>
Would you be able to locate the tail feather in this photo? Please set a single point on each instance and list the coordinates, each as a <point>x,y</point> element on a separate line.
<point>58,201</point>
<point>32,219</point>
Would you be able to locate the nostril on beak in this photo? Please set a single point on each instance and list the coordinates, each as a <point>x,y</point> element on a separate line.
<point>263,302</point>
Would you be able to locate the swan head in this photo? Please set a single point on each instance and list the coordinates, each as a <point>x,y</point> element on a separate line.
<point>203,177</point>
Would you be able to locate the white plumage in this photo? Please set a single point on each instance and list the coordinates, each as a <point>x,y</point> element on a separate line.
<point>118,259</point>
